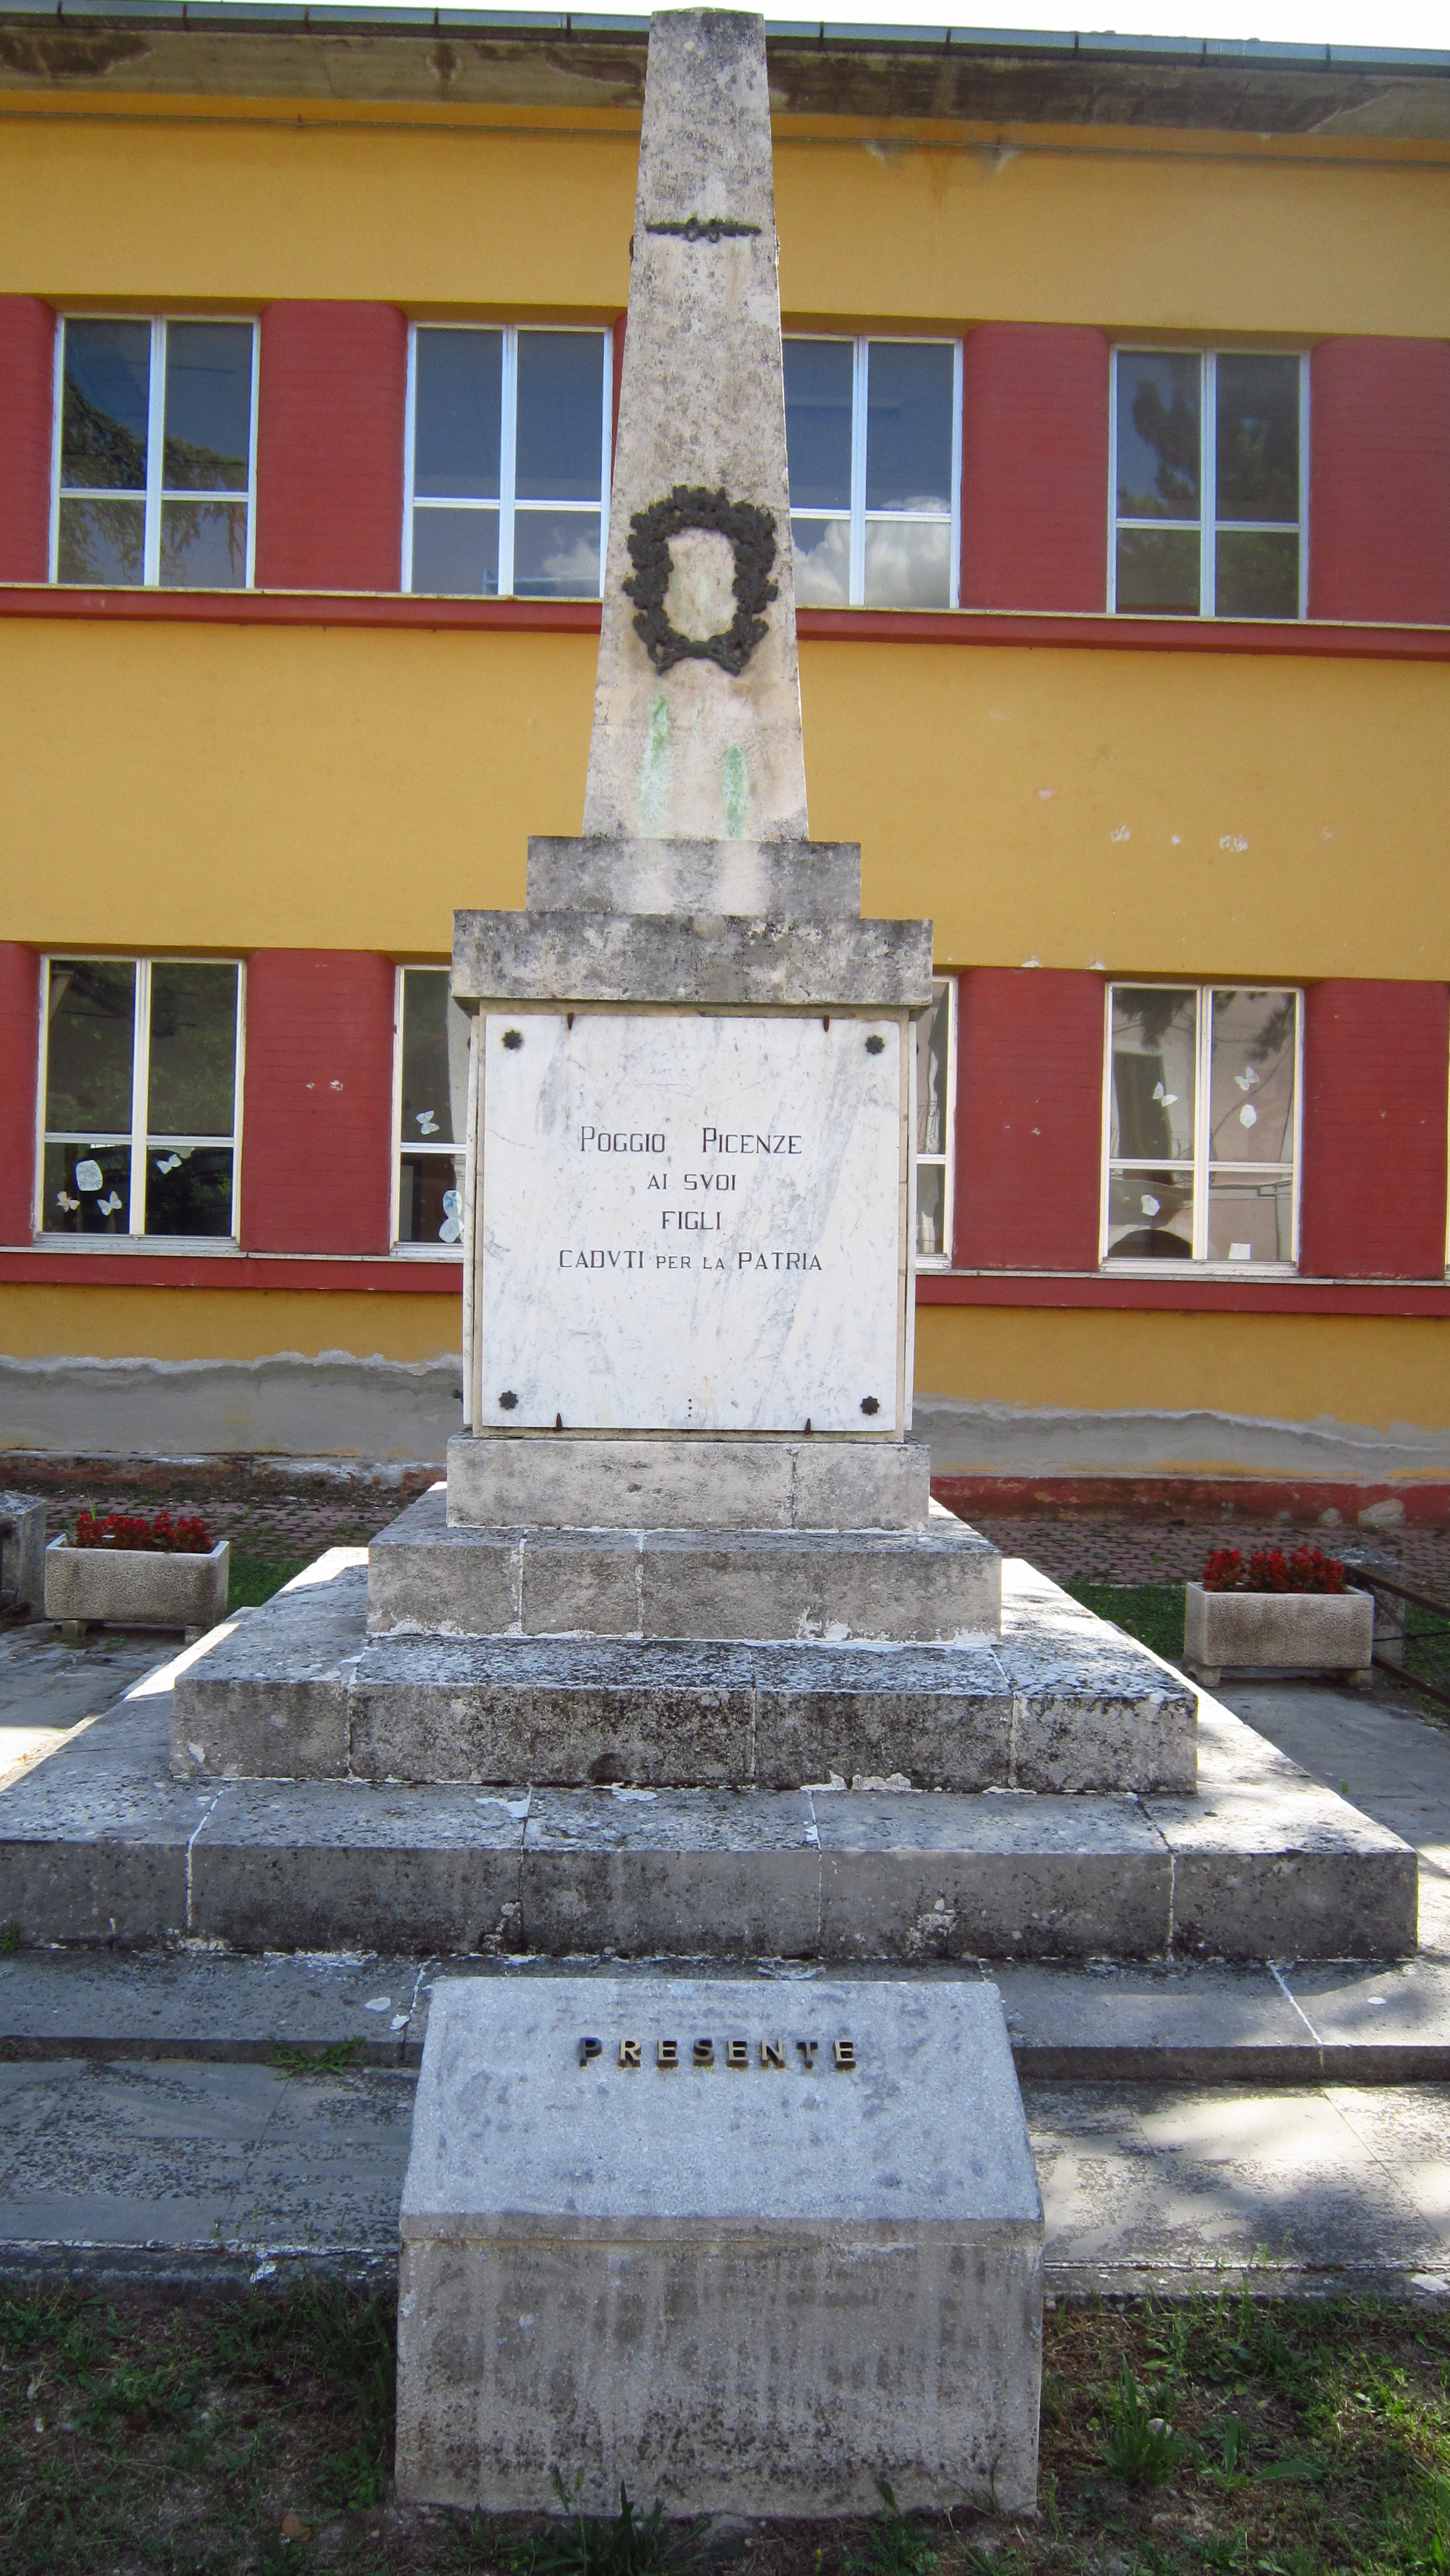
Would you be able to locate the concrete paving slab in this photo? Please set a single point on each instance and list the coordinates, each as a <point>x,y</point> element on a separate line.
<point>200,2005</point>
<point>181,2170</point>
<point>325,2177</point>
<point>128,2155</point>
<point>1164,2023</point>
<point>1157,2181</point>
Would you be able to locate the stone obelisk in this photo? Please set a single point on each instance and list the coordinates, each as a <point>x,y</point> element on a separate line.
<point>703,744</point>
<point>689,1214</point>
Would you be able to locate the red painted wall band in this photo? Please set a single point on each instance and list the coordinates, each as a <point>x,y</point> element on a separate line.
<point>1034,466</point>
<point>1376,1080</point>
<point>330,411</point>
<point>318,1103</point>
<point>19,1074</point>
<point>1029,1118</point>
<point>1379,479</point>
<point>27,402</point>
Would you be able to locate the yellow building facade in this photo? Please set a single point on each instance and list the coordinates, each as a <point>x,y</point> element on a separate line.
<point>1097,791</point>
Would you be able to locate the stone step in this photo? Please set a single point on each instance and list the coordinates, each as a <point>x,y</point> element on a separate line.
<point>1172,2021</point>
<point>554,1480</point>
<point>1061,1702</point>
<point>936,1586</point>
<point>99,1844</point>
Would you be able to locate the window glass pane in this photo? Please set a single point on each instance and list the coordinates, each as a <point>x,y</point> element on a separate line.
<point>932,1039</point>
<point>435,1059</point>
<point>1250,1220</point>
<point>193,1050</point>
<point>189,1189</point>
<point>458,378</point>
<point>104,405</point>
<point>457,551</point>
<point>204,545</point>
<point>1257,575</point>
<point>87,1189</point>
<point>101,542</point>
<point>1158,570</point>
<point>931,1200</point>
<point>556,554</point>
<point>208,406</point>
<point>818,422</point>
<point>1154,1038</point>
<point>1158,442</point>
<point>430,1198</point>
<point>822,549</point>
<point>1258,438</point>
<point>559,443</point>
<point>908,563</point>
<point>88,1058</point>
<point>1251,1095</point>
<point>909,425</point>
<point>1150,1216</point>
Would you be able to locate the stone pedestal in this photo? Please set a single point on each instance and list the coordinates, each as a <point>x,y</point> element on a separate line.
<point>745,2247</point>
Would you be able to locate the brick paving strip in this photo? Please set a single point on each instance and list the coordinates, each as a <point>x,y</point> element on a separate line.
<point>277,1507</point>
<point>270,1508</point>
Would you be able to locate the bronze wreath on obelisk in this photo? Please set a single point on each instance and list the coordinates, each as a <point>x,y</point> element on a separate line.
<point>751,534</point>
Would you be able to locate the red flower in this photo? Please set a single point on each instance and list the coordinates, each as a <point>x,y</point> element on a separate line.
<point>162,1536</point>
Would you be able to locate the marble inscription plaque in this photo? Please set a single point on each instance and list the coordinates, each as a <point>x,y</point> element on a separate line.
<point>690,1224</point>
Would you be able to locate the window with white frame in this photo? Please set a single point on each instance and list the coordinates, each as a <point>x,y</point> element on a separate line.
<point>431,1096</point>
<point>936,1093</point>
<point>874,433</point>
<point>507,461</point>
<point>155,453</point>
<point>1210,483</point>
<point>1202,1142</point>
<point>141,1097</point>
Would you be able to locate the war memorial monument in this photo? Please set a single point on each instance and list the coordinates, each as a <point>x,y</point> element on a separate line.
<point>683,1667</point>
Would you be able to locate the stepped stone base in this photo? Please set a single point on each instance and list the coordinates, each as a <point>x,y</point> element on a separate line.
<point>1060,1702</point>
<point>933,1586</point>
<point>101,1845</point>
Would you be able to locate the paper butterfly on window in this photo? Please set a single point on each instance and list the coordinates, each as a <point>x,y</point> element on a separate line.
<point>452,1226</point>
<point>108,1206</point>
<point>69,1205</point>
<point>427,1123</point>
<point>168,1163</point>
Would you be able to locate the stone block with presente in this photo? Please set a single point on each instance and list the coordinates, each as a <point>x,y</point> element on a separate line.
<point>744,2246</point>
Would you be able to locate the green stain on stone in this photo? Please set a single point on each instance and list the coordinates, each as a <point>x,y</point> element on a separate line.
<point>737,793</point>
<point>655,769</point>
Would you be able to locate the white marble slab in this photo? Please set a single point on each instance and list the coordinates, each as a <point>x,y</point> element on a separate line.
<point>691,1223</point>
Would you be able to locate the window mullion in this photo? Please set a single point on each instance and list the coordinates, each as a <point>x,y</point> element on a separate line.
<point>410,432</point>
<point>1208,489</point>
<point>252,454</point>
<point>860,389</point>
<point>140,1092</point>
<point>606,453</point>
<point>1202,1122</point>
<point>507,467</point>
<point>155,442</point>
<point>1303,556</point>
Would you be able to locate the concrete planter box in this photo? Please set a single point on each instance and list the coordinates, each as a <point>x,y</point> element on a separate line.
<point>1302,1631</point>
<point>122,1587</point>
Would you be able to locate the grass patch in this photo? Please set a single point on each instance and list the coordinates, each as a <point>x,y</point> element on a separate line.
<point>208,2438</point>
<point>1151,1612</point>
<point>253,1579</point>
